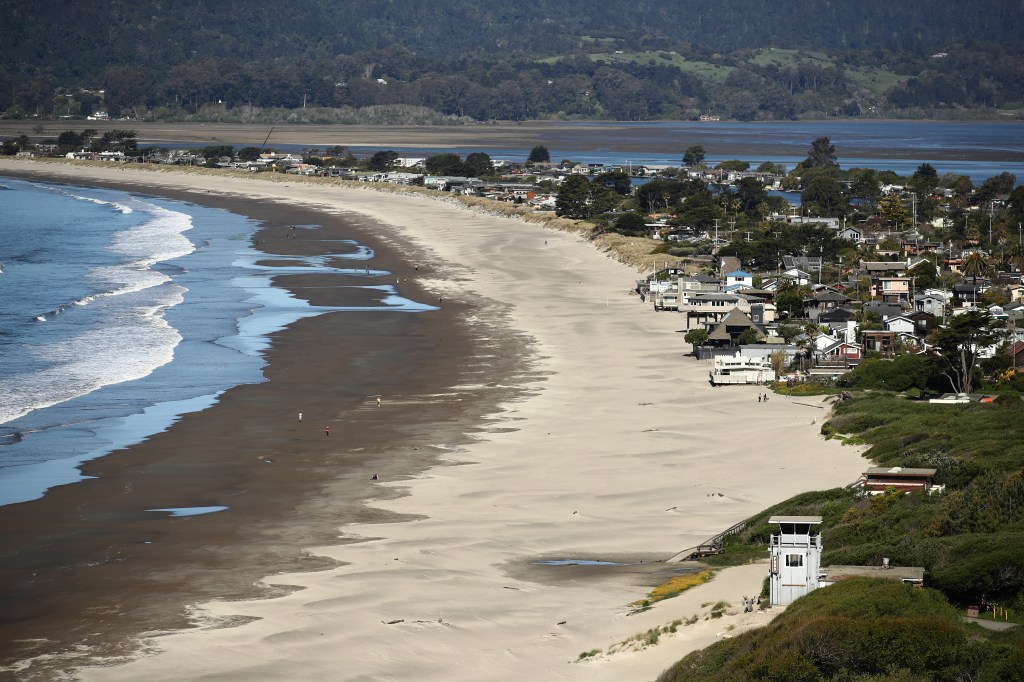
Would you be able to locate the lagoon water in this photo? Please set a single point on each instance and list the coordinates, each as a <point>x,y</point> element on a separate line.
<point>120,312</point>
<point>978,149</point>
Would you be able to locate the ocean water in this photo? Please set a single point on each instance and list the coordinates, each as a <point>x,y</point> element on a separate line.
<point>120,312</point>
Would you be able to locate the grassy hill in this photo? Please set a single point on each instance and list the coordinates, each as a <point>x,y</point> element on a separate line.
<point>861,629</point>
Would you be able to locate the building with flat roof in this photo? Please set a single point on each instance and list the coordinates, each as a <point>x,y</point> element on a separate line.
<point>904,479</point>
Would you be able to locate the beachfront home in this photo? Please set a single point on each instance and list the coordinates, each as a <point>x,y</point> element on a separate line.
<point>731,328</point>
<point>706,307</point>
<point>738,369</point>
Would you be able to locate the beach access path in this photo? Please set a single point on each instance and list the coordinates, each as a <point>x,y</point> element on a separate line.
<point>619,450</point>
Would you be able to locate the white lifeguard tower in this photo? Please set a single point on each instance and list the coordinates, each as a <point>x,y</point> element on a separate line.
<point>795,558</point>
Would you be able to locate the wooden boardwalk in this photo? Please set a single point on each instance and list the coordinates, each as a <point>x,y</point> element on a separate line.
<point>715,545</point>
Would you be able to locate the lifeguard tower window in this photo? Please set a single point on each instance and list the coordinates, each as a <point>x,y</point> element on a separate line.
<point>794,559</point>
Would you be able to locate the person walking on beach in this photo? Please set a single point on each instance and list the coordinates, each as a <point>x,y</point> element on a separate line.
<point>327,431</point>
<point>378,401</point>
<point>300,417</point>
<point>758,400</point>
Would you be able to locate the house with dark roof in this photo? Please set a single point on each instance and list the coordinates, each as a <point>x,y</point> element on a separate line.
<point>882,268</point>
<point>823,301</point>
<point>733,325</point>
<point>882,309</point>
<point>807,263</point>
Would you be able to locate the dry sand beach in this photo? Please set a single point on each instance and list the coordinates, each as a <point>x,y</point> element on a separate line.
<point>562,421</point>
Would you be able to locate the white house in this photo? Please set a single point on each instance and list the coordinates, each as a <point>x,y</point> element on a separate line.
<point>798,276</point>
<point>738,279</point>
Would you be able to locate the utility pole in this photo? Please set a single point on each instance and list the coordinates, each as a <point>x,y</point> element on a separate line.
<point>821,262</point>
<point>991,208</point>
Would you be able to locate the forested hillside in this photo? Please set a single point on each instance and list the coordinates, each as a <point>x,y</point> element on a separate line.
<point>483,59</point>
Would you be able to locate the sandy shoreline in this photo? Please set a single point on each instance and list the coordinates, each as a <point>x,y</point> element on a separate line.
<point>610,444</point>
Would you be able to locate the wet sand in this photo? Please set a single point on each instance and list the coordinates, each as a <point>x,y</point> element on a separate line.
<point>87,566</point>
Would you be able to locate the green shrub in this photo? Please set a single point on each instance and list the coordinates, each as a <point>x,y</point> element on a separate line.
<point>860,629</point>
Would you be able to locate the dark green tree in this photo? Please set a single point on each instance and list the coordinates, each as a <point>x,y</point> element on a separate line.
<point>751,195</point>
<point>573,200</point>
<point>479,165</point>
<point>248,153</point>
<point>630,224</point>
<point>771,167</point>
<point>823,196</point>
<point>698,337</point>
<point>865,188</point>
<point>603,199</point>
<point>616,180</point>
<point>539,154</point>
<point>69,140</point>
<point>217,151</point>
<point>924,275</point>
<point>959,343</point>
<point>693,156</point>
<point>924,180</point>
<point>821,155</point>
<point>383,160</point>
<point>444,164</point>
<point>995,186</point>
<point>734,165</point>
<point>658,195</point>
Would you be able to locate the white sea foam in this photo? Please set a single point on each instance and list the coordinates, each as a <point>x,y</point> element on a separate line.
<point>133,339</point>
<point>157,240</point>
<point>135,342</point>
<point>120,208</point>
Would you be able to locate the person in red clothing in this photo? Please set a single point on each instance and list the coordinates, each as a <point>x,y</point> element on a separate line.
<point>327,431</point>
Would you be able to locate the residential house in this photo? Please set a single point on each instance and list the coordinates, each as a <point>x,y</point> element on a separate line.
<point>931,302</point>
<point>882,309</point>
<point>851,233</point>
<point>738,279</point>
<point>727,264</point>
<point>878,341</point>
<point>732,326</point>
<point>797,276</point>
<point>823,301</point>
<point>875,269</point>
<point>892,289</point>
<point>840,354</point>
<point>807,263</point>
<point>837,319</point>
<point>703,308</point>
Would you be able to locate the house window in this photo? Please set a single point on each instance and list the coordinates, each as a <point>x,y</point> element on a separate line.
<point>794,560</point>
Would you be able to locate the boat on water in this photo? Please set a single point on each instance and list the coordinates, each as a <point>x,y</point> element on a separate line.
<point>738,369</point>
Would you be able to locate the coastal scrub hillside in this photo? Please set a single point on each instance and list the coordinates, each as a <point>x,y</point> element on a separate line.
<point>861,629</point>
